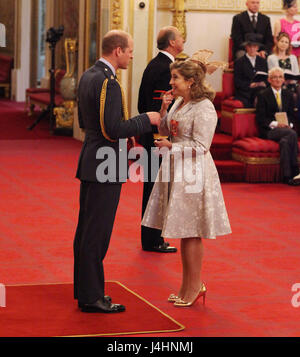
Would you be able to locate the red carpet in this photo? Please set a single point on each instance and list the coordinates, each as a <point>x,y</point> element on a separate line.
<point>249,274</point>
<point>45,311</point>
<point>14,122</point>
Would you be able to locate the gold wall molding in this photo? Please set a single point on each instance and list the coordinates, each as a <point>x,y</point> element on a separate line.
<point>116,12</point>
<point>151,29</point>
<point>271,6</point>
<point>117,20</point>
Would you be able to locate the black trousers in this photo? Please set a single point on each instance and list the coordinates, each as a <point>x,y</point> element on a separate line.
<point>288,142</point>
<point>150,237</point>
<point>98,206</point>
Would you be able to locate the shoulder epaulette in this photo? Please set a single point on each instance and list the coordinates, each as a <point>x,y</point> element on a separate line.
<point>102,107</point>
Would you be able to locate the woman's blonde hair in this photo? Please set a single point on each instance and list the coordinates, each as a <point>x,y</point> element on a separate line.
<point>195,70</point>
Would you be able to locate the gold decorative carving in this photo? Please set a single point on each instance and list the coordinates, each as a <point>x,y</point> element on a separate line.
<point>116,14</point>
<point>70,52</point>
<point>250,160</point>
<point>116,21</point>
<point>65,115</point>
<point>179,16</point>
<point>272,6</point>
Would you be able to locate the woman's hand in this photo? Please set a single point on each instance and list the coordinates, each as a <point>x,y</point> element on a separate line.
<point>166,101</point>
<point>163,142</point>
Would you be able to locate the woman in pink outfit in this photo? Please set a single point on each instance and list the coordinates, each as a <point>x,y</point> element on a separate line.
<point>289,25</point>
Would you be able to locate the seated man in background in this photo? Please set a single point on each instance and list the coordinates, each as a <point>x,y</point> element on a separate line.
<point>250,72</point>
<point>251,21</point>
<point>272,101</point>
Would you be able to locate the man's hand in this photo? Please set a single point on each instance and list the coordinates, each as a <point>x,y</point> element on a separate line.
<point>154,118</point>
<point>282,126</point>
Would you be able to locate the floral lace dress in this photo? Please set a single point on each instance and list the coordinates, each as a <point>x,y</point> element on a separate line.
<point>189,201</point>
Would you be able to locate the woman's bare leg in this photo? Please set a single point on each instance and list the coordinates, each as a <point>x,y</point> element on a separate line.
<point>192,255</point>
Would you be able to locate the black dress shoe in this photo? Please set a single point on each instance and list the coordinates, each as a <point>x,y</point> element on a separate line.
<point>106,297</point>
<point>102,306</point>
<point>163,248</point>
<point>294,182</point>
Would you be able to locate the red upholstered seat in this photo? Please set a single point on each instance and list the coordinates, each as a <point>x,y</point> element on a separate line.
<point>6,65</point>
<point>261,158</point>
<point>257,145</point>
<point>37,90</point>
<point>41,96</point>
<point>44,98</point>
<point>231,103</point>
<point>230,107</point>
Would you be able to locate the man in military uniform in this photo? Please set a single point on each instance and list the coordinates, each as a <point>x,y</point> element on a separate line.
<point>103,116</point>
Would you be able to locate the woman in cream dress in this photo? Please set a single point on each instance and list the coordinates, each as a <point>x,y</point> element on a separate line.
<point>183,208</point>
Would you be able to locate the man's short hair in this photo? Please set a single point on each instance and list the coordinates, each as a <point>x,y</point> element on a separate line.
<point>114,39</point>
<point>164,39</point>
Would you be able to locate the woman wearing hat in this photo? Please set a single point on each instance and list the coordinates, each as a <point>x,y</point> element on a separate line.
<point>289,25</point>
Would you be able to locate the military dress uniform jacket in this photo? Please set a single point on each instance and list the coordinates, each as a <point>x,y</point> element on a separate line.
<point>102,114</point>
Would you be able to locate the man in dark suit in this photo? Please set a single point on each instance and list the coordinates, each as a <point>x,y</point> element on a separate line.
<point>246,68</point>
<point>270,101</point>
<point>102,167</point>
<point>251,21</point>
<point>155,82</point>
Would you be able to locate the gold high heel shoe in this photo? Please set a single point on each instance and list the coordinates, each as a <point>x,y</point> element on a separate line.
<point>182,303</point>
<point>173,298</point>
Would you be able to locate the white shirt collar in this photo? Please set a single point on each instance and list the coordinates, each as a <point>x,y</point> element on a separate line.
<point>251,59</point>
<point>168,54</point>
<point>276,91</point>
<point>108,64</point>
<point>251,14</point>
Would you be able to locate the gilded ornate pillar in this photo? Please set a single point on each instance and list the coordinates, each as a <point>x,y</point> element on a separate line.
<point>179,16</point>
<point>179,22</point>
<point>116,20</point>
<point>116,14</point>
